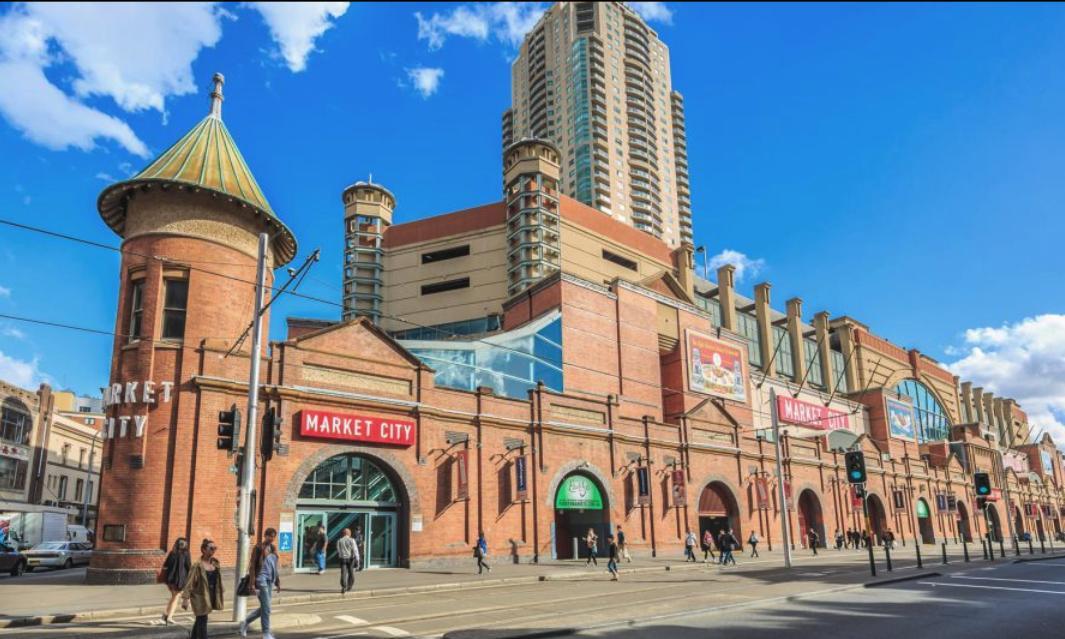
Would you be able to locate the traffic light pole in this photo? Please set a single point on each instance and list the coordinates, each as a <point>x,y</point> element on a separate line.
<point>869,530</point>
<point>785,522</point>
<point>247,468</point>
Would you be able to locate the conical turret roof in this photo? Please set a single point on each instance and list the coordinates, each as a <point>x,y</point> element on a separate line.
<point>204,158</point>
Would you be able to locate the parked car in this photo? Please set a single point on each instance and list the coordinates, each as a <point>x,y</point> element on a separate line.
<point>57,554</point>
<point>11,560</point>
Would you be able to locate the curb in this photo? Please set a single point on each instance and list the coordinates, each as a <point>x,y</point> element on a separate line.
<point>886,582</point>
<point>1031,559</point>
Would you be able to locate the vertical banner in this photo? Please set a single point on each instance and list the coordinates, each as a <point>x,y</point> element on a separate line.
<point>941,502</point>
<point>284,533</point>
<point>856,498</point>
<point>952,503</point>
<point>520,478</point>
<point>643,483</point>
<point>680,495</point>
<point>787,493</point>
<point>761,488</point>
<point>462,458</point>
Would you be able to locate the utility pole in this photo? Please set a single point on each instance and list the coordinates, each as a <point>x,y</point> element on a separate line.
<point>785,523</point>
<point>88,480</point>
<point>247,467</point>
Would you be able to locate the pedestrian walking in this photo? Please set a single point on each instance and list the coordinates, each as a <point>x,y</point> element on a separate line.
<point>357,535</point>
<point>348,553</point>
<point>814,538</point>
<point>889,539</point>
<point>480,551</point>
<point>612,557</point>
<point>623,550</point>
<point>689,547</point>
<point>203,590</point>
<point>867,539</point>
<point>174,574</point>
<point>592,541</point>
<point>708,545</point>
<point>263,579</point>
<point>839,540</point>
<point>752,541</point>
<point>321,544</point>
<point>728,544</point>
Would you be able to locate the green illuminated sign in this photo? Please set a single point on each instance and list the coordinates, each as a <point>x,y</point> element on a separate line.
<point>922,509</point>
<point>578,492</point>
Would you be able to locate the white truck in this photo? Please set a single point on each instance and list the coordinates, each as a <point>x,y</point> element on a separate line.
<point>26,530</point>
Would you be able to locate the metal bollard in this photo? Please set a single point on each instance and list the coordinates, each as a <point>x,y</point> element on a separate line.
<point>1042,546</point>
<point>887,555</point>
<point>918,547</point>
<point>944,553</point>
<point>1031,549</point>
<point>965,550</point>
<point>1017,546</point>
<point>983,547</point>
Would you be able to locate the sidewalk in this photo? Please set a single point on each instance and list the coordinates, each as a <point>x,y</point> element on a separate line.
<point>62,597</point>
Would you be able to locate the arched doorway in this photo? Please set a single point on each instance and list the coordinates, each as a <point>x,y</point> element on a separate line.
<point>718,511</point>
<point>1039,529</point>
<point>877,518</point>
<point>354,492</point>
<point>1018,523</point>
<point>964,531</point>
<point>924,522</point>
<point>810,518</point>
<point>580,504</point>
<point>994,523</point>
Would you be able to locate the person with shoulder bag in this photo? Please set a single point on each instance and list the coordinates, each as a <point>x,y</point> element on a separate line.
<point>261,580</point>
<point>174,573</point>
<point>348,554</point>
<point>480,551</point>
<point>204,590</point>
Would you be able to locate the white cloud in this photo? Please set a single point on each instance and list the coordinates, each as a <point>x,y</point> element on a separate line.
<point>1025,361</point>
<point>426,80</point>
<point>11,331</point>
<point>20,372</point>
<point>508,22</point>
<point>106,177</point>
<point>653,11</point>
<point>5,291</point>
<point>745,266</point>
<point>295,26</point>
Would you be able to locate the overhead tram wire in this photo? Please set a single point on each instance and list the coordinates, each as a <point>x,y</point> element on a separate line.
<point>274,290</point>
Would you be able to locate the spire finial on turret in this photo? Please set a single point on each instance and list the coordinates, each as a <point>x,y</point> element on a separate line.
<point>216,95</point>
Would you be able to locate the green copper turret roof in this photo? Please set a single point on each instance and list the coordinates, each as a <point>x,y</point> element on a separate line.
<point>204,158</point>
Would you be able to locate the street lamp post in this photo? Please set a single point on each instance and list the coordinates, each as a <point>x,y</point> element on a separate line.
<point>88,479</point>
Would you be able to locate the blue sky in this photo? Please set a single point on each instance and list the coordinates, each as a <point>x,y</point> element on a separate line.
<point>897,163</point>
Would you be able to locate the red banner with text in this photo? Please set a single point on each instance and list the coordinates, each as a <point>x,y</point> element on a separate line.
<point>356,427</point>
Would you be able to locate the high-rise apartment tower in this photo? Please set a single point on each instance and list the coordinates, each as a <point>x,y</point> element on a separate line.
<point>593,78</point>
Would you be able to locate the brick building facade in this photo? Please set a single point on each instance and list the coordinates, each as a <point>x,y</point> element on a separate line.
<point>603,385</point>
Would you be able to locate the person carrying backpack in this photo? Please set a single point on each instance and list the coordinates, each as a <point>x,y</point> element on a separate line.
<point>752,541</point>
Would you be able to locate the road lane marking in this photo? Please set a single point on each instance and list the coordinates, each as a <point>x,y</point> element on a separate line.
<point>1045,592</point>
<point>355,621</point>
<point>1027,581</point>
<point>1040,564</point>
<point>390,631</point>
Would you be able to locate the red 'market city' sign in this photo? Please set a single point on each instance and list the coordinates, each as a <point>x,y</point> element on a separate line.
<point>357,428</point>
<point>807,415</point>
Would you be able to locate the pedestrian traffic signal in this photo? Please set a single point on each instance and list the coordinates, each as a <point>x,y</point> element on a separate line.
<point>271,438</point>
<point>855,462</point>
<point>982,483</point>
<point>229,429</point>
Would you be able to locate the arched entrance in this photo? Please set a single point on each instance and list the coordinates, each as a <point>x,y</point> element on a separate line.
<point>354,492</point>
<point>1039,529</point>
<point>1018,523</point>
<point>877,518</point>
<point>580,504</point>
<point>810,518</point>
<point>924,522</point>
<point>718,511</point>
<point>994,523</point>
<point>964,531</point>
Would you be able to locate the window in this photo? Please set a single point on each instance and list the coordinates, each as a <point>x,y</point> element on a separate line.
<point>748,327</point>
<point>813,363</point>
<point>782,342</point>
<point>174,306</point>
<point>136,309</point>
<point>12,473</point>
<point>839,365</point>
<point>619,260</point>
<point>62,492</point>
<point>88,496</point>
<point>15,425</point>
<point>349,478</point>
<point>81,458</point>
<point>933,421</point>
<point>450,285</point>
<point>446,254</point>
<point>79,488</point>
<point>66,453</point>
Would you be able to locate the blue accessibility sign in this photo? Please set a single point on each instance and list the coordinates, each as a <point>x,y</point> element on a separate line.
<point>284,542</point>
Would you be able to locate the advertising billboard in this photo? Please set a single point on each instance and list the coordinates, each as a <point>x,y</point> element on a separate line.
<point>715,368</point>
<point>900,419</point>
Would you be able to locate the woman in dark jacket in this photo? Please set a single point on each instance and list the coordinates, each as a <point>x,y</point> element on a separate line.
<point>175,574</point>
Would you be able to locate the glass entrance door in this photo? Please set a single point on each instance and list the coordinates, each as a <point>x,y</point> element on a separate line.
<point>381,541</point>
<point>307,529</point>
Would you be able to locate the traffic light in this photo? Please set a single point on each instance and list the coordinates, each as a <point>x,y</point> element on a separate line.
<point>271,438</point>
<point>855,461</point>
<point>982,483</point>
<point>229,429</point>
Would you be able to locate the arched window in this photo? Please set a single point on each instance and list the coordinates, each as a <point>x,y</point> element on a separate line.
<point>933,421</point>
<point>349,479</point>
